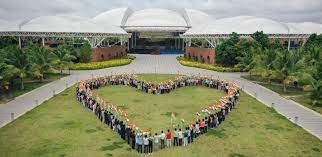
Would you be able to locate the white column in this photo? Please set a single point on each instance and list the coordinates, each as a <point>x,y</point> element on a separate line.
<point>19,39</point>
<point>289,44</point>
<point>43,41</point>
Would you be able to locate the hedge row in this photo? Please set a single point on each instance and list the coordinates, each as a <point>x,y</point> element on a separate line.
<point>101,65</point>
<point>189,63</point>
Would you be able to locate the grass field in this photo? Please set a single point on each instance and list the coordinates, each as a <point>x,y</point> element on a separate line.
<point>63,127</point>
<point>29,85</point>
<point>153,112</point>
<point>296,94</point>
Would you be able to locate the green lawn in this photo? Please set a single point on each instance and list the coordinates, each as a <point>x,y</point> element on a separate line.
<point>153,112</point>
<point>306,101</point>
<point>290,91</point>
<point>63,127</point>
<point>300,96</point>
<point>29,85</point>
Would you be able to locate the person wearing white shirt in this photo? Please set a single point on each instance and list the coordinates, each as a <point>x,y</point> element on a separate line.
<point>175,137</point>
<point>146,144</point>
<point>180,137</point>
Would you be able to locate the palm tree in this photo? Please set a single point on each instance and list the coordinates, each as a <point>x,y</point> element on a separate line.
<point>288,66</point>
<point>16,57</point>
<point>64,57</point>
<point>7,72</point>
<point>42,59</point>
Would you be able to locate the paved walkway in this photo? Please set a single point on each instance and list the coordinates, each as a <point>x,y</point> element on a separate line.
<point>167,64</point>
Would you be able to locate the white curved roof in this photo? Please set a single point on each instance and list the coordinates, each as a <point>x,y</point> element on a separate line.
<point>251,24</point>
<point>192,22</point>
<point>305,28</point>
<point>8,26</point>
<point>156,17</point>
<point>268,26</point>
<point>114,17</point>
<point>67,24</point>
<point>197,17</point>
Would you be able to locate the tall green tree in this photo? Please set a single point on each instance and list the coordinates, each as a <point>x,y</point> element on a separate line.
<point>313,40</point>
<point>248,48</point>
<point>19,59</point>
<point>8,41</point>
<point>7,72</point>
<point>85,54</point>
<point>64,57</point>
<point>42,60</point>
<point>288,67</point>
<point>262,39</point>
<point>228,51</point>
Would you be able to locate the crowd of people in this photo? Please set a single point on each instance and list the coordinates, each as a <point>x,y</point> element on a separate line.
<point>144,141</point>
<point>157,88</point>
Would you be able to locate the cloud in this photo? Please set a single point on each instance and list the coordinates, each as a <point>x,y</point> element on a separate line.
<point>282,10</point>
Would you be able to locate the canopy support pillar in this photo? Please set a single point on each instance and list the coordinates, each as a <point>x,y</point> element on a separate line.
<point>19,40</point>
<point>43,41</point>
<point>289,44</point>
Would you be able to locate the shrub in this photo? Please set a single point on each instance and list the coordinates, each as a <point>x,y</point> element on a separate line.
<point>85,54</point>
<point>189,63</point>
<point>105,64</point>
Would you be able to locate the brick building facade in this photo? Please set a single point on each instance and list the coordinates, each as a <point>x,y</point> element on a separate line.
<point>205,55</point>
<point>107,53</point>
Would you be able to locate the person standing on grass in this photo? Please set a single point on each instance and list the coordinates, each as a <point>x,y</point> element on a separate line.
<point>133,137</point>
<point>175,137</point>
<point>180,137</point>
<point>197,132</point>
<point>162,139</point>
<point>192,133</point>
<point>150,150</point>
<point>138,143</point>
<point>186,136</point>
<point>156,142</point>
<point>169,138</point>
<point>146,144</point>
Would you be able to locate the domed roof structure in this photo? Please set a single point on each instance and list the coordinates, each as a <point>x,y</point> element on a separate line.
<point>190,22</point>
<point>116,17</point>
<point>67,24</point>
<point>156,19</point>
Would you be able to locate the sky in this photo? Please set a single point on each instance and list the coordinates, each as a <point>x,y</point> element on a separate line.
<point>281,10</point>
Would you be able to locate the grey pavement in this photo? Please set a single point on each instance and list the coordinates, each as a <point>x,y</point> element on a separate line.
<point>166,64</point>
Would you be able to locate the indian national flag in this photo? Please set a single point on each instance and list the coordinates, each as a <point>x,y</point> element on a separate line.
<point>173,115</point>
<point>205,111</point>
<point>223,100</point>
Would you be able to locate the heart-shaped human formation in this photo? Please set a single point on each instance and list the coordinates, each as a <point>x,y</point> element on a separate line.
<point>140,139</point>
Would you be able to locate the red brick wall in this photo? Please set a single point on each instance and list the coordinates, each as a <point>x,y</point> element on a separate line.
<point>206,55</point>
<point>107,53</point>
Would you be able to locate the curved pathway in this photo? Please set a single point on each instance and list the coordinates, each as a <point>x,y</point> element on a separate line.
<point>167,64</point>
